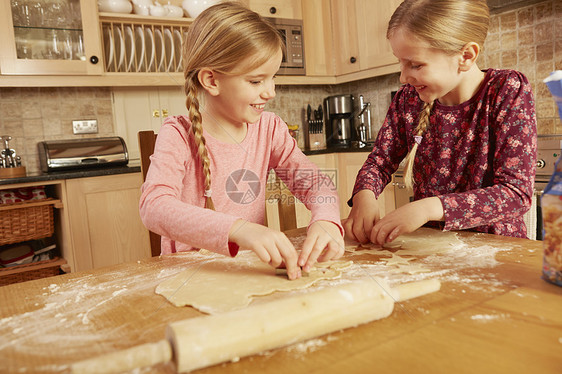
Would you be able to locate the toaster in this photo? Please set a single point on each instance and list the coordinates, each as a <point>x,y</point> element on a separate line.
<point>55,155</point>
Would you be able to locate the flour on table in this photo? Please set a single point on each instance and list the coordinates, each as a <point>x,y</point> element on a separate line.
<point>224,284</point>
<point>410,269</point>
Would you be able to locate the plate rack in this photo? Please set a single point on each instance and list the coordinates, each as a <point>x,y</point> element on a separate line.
<point>136,44</point>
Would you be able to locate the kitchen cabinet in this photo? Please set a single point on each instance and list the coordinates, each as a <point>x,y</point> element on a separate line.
<point>317,30</point>
<point>105,222</point>
<point>359,34</point>
<point>327,163</point>
<point>334,32</point>
<point>348,167</point>
<point>137,109</point>
<point>50,38</point>
<point>402,195</point>
<point>276,8</point>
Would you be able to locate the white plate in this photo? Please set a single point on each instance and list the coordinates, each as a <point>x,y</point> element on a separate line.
<point>169,48</point>
<point>149,43</point>
<point>139,48</point>
<point>129,48</point>
<point>179,50</point>
<point>159,49</point>
<point>119,49</point>
<point>108,49</point>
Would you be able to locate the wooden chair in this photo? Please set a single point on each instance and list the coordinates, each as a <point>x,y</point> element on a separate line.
<point>147,139</point>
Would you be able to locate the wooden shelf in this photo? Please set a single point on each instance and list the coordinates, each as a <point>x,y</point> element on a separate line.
<point>55,202</point>
<point>34,270</point>
<point>135,18</point>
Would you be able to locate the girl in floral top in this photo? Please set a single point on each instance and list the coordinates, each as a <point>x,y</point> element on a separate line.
<point>468,136</point>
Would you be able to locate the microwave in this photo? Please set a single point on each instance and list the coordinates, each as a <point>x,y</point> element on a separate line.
<point>293,55</point>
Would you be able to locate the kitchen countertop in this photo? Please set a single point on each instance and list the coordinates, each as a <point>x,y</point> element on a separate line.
<point>493,314</point>
<point>310,152</point>
<point>71,174</point>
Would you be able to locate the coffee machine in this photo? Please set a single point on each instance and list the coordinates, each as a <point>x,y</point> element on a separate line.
<point>339,120</point>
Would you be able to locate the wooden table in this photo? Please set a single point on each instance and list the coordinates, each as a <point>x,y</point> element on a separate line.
<point>488,317</point>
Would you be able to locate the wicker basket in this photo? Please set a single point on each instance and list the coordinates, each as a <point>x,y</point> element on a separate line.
<point>34,270</point>
<point>26,221</point>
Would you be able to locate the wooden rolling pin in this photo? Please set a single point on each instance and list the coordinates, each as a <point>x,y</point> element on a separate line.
<point>208,340</point>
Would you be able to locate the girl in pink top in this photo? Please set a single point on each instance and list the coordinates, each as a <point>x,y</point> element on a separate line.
<point>205,187</point>
<point>468,136</point>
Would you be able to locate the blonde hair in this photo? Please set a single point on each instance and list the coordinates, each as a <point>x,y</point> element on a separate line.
<point>447,25</point>
<point>220,38</point>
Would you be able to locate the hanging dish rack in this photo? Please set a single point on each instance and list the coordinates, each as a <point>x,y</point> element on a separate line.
<point>138,44</point>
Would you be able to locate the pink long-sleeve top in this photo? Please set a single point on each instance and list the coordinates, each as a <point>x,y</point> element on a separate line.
<point>172,201</point>
<point>478,157</point>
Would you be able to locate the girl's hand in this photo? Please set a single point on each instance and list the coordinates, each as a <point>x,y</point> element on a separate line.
<point>272,246</point>
<point>406,219</point>
<point>324,242</point>
<point>362,218</point>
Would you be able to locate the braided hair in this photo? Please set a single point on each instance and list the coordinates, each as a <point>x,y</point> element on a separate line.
<point>220,38</point>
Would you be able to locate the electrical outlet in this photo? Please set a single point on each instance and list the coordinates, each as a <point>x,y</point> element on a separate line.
<point>89,126</point>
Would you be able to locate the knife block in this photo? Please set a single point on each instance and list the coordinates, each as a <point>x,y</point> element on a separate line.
<point>317,141</point>
<point>315,137</point>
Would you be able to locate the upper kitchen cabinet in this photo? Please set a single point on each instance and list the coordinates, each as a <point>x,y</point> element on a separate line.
<point>49,37</point>
<point>276,8</point>
<point>317,25</point>
<point>359,34</point>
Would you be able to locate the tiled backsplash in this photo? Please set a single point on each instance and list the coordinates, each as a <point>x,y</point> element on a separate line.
<point>527,39</point>
<point>30,115</point>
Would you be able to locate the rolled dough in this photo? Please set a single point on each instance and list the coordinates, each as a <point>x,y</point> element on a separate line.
<point>419,243</point>
<point>225,284</point>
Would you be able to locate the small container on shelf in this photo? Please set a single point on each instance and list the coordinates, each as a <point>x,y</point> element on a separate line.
<point>10,162</point>
<point>25,214</point>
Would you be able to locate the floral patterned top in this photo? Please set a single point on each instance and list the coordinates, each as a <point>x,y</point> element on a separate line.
<point>478,157</point>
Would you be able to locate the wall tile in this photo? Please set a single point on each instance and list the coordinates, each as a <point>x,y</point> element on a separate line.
<point>509,40</point>
<point>508,21</point>
<point>494,26</point>
<point>544,32</point>
<point>525,17</point>
<point>544,11</point>
<point>12,127</point>
<point>558,54</point>
<point>509,59</point>
<point>545,52</point>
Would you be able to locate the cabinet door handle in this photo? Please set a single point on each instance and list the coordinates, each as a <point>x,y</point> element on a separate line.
<point>164,112</point>
<point>155,113</point>
<point>272,10</point>
<point>353,60</point>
